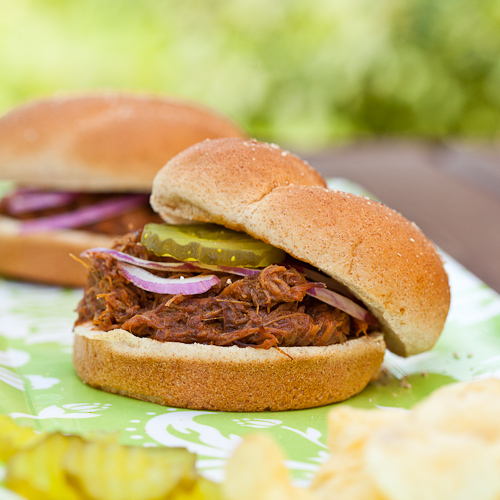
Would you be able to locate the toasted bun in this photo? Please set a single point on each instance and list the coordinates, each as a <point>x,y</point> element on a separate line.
<point>381,257</point>
<point>224,378</point>
<point>225,175</point>
<point>45,257</point>
<point>102,141</point>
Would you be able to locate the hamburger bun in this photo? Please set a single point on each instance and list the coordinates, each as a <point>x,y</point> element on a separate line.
<point>46,257</point>
<point>111,142</point>
<point>222,178</point>
<point>383,259</point>
<point>224,378</point>
<point>373,252</point>
<point>98,143</point>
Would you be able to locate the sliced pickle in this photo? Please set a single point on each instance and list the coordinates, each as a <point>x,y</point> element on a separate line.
<point>209,244</point>
<point>103,471</point>
<point>203,489</point>
<point>13,437</point>
<point>36,472</point>
<point>60,467</point>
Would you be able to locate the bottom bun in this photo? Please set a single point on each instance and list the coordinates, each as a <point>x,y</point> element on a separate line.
<point>45,257</point>
<point>207,377</point>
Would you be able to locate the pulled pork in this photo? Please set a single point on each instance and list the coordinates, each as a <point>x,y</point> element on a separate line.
<point>266,310</point>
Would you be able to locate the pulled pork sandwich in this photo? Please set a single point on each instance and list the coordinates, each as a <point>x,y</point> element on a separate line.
<point>81,170</point>
<point>264,290</point>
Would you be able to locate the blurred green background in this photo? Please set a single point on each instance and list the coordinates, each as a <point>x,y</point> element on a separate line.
<point>303,73</point>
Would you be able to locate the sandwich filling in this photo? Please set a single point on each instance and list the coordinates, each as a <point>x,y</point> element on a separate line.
<point>105,213</point>
<point>271,308</point>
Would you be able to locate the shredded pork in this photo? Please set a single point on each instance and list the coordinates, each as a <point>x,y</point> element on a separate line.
<point>270,309</point>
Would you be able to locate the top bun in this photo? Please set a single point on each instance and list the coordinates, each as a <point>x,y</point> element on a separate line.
<point>215,181</point>
<point>381,257</point>
<point>111,142</point>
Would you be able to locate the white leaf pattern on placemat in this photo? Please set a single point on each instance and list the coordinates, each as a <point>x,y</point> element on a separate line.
<point>42,382</point>
<point>12,358</point>
<point>202,439</point>
<point>54,411</point>
<point>11,378</point>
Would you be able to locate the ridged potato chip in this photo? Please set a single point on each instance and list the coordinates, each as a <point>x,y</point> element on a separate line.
<point>13,437</point>
<point>470,407</point>
<point>256,472</point>
<point>447,447</point>
<point>349,428</point>
<point>344,475</point>
<point>107,471</point>
<point>416,462</point>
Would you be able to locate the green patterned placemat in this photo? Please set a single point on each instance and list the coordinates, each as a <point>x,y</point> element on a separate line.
<point>38,386</point>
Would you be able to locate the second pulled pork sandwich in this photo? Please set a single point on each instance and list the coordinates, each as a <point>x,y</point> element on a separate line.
<point>82,167</point>
<point>264,290</point>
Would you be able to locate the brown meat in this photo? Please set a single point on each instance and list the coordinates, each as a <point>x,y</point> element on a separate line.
<point>269,309</point>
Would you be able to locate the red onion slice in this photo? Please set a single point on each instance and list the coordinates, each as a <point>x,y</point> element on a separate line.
<point>32,200</point>
<point>314,275</point>
<point>146,264</point>
<point>325,295</point>
<point>170,266</point>
<point>85,215</point>
<point>239,271</point>
<point>343,303</point>
<point>187,286</point>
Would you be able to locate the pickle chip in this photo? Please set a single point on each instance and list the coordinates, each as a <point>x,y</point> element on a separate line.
<point>36,472</point>
<point>210,244</point>
<point>104,471</point>
<point>203,489</point>
<point>61,467</point>
<point>13,437</point>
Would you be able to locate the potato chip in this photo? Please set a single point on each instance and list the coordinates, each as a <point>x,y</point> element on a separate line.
<point>349,428</point>
<point>470,407</point>
<point>448,447</point>
<point>108,471</point>
<point>13,437</point>
<point>36,472</point>
<point>416,462</point>
<point>344,477</point>
<point>256,472</point>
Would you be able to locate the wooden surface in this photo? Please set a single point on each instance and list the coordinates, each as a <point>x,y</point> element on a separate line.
<point>452,191</point>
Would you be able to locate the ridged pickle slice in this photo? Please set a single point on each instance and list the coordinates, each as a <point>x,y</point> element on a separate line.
<point>203,489</point>
<point>36,472</point>
<point>14,438</point>
<point>62,467</point>
<point>103,471</point>
<point>209,244</point>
